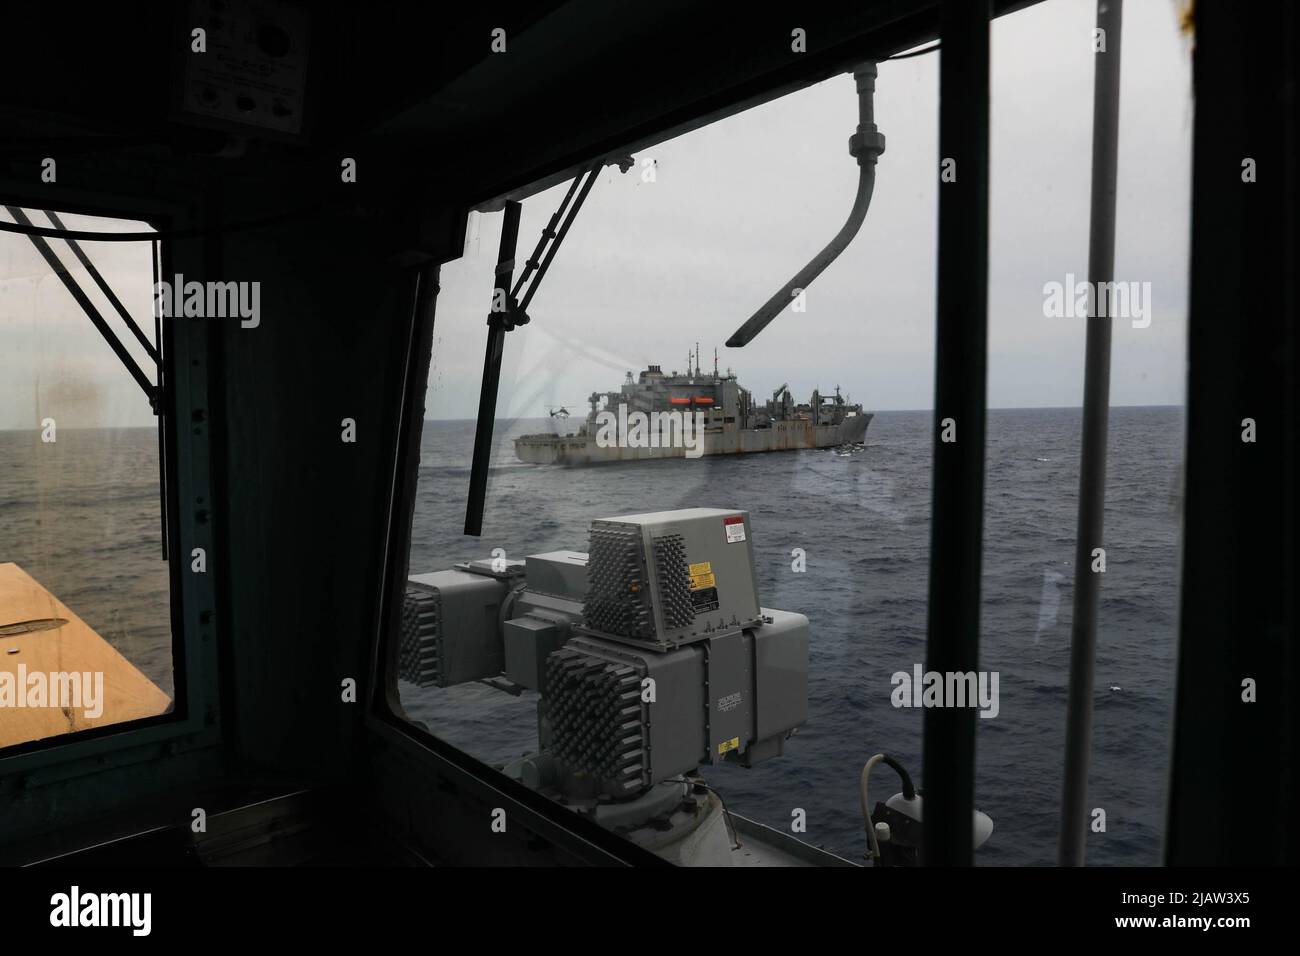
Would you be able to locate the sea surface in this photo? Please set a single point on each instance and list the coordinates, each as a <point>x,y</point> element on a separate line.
<point>81,516</point>
<point>863,521</point>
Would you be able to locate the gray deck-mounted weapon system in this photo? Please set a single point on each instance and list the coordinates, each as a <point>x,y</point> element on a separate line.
<point>651,656</point>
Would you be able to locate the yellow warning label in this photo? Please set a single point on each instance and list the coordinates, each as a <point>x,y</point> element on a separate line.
<point>702,576</point>
<point>732,744</point>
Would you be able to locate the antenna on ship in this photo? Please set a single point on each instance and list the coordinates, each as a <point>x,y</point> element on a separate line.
<point>715,361</point>
<point>697,359</point>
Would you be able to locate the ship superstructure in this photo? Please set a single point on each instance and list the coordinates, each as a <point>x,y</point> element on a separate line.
<point>694,413</point>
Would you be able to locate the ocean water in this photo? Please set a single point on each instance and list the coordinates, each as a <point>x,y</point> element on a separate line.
<point>863,522</point>
<point>81,516</point>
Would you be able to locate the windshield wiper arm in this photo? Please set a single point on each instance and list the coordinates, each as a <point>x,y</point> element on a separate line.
<point>510,312</point>
<point>88,307</point>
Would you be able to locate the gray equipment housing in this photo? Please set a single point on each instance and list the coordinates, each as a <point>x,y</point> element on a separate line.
<point>656,697</point>
<point>671,577</point>
<point>449,628</point>
<point>624,718</point>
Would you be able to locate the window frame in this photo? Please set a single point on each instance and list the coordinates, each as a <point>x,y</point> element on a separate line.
<point>403,744</point>
<point>194,720</point>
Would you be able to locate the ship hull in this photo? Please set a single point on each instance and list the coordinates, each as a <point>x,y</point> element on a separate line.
<point>782,436</point>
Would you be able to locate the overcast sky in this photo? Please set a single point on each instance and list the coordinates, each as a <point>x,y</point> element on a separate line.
<point>649,269</point>
<point>53,363</point>
<point>738,207</point>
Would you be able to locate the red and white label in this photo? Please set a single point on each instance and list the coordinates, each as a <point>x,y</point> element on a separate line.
<point>735,526</point>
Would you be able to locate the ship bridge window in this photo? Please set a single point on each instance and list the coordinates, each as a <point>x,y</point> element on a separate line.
<point>765,581</point>
<point>85,628</point>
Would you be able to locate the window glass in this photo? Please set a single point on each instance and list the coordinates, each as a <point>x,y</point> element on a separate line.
<point>663,263</point>
<point>85,635</point>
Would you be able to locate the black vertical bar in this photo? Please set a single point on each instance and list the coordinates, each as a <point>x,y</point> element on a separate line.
<point>487,400</point>
<point>406,480</point>
<point>160,405</point>
<point>1096,415</point>
<point>1239,615</point>
<point>958,487</point>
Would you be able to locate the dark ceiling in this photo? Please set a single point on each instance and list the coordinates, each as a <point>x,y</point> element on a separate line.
<point>420,84</point>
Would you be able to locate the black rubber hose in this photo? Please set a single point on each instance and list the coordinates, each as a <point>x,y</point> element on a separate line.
<point>909,792</point>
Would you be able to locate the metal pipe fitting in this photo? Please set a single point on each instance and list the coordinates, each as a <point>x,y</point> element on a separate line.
<point>865,145</point>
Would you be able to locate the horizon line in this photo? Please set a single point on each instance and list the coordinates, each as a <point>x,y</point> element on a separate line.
<point>999,408</point>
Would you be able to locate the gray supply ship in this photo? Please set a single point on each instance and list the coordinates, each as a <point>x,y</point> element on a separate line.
<point>689,415</point>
